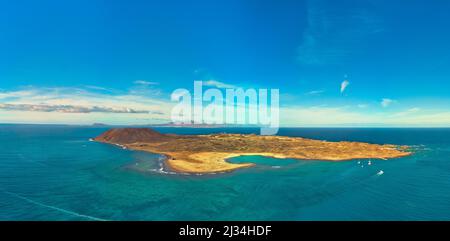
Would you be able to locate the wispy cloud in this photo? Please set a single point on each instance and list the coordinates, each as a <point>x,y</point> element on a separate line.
<point>408,112</point>
<point>385,102</point>
<point>343,116</point>
<point>321,116</point>
<point>344,85</point>
<point>59,103</point>
<point>315,92</point>
<point>362,106</point>
<point>218,84</point>
<point>83,106</point>
<point>144,82</point>
<point>69,109</point>
<point>333,34</point>
<point>435,118</point>
<point>94,87</point>
<point>145,88</point>
<point>15,94</point>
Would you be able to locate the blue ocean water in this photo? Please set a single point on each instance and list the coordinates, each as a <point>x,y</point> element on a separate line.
<point>50,172</point>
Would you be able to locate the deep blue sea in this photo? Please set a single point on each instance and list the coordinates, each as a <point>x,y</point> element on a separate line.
<point>50,172</point>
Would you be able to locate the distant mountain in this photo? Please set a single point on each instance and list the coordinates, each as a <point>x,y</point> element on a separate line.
<point>99,124</point>
<point>131,135</point>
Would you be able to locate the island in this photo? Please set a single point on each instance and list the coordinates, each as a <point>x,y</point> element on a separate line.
<point>209,153</point>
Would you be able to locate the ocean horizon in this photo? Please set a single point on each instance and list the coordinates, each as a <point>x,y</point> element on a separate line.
<point>55,172</point>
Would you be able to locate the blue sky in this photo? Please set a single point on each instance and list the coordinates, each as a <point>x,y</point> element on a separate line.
<point>111,61</point>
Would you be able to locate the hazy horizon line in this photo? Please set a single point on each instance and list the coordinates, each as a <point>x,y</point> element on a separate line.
<point>227,126</point>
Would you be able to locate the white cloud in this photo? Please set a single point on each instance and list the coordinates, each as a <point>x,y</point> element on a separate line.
<point>344,85</point>
<point>68,108</point>
<point>385,102</point>
<point>362,106</point>
<point>413,110</point>
<point>15,94</point>
<point>321,116</point>
<point>408,112</point>
<point>144,82</point>
<point>218,84</point>
<point>94,87</point>
<point>58,104</point>
<point>346,117</point>
<point>81,106</point>
<point>417,118</point>
<point>315,92</point>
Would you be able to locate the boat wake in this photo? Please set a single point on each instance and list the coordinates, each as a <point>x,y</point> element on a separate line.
<point>53,207</point>
<point>22,157</point>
